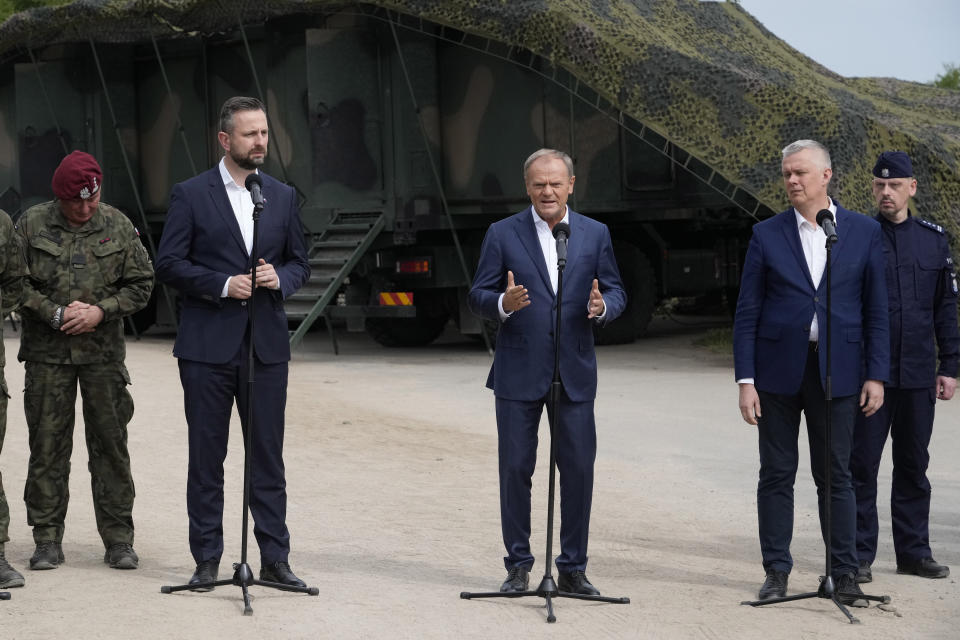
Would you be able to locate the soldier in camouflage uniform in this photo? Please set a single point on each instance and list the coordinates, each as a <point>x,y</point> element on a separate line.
<point>88,270</point>
<point>12,270</point>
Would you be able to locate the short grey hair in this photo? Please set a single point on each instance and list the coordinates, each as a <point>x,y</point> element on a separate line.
<point>235,104</point>
<point>553,153</point>
<point>800,145</point>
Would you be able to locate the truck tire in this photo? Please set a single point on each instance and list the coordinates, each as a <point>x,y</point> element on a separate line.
<point>640,284</point>
<point>406,332</point>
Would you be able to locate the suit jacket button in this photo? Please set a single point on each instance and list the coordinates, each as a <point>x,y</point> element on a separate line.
<point>243,304</point>
<point>816,299</point>
<point>806,329</point>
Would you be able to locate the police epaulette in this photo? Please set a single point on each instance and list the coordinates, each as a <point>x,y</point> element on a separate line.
<point>933,226</point>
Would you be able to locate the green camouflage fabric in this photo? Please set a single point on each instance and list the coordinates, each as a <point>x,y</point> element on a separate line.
<point>50,394</point>
<point>706,76</point>
<point>102,262</point>
<point>12,270</point>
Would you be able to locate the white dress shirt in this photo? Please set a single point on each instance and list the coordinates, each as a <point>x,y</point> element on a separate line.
<point>813,240</point>
<point>242,205</point>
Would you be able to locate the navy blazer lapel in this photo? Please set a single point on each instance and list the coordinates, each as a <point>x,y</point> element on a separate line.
<point>575,242</point>
<point>527,232</point>
<point>793,241</point>
<point>838,246</point>
<point>221,203</point>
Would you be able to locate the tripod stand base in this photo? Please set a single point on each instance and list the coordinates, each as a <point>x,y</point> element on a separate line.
<point>4,595</point>
<point>243,578</point>
<point>547,590</point>
<point>833,597</point>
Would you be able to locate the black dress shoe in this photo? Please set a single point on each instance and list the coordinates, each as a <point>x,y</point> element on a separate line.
<point>864,573</point>
<point>280,573</point>
<point>925,568</point>
<point>206,572</point>
<point>847,591</point>
<point>518,578</point>
<point>576,582</point>
<point>775,585</point>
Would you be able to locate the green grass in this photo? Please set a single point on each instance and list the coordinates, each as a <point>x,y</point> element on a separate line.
<point>717,340</point>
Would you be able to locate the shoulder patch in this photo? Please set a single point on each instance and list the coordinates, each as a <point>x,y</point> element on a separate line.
<point>930,225</point>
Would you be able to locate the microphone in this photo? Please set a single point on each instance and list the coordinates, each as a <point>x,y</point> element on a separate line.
<point>561,231</point>
<point>254,184</point>
<point>825,220</point>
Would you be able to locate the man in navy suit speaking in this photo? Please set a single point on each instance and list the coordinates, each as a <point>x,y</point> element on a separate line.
<point>205,254</point>
<point>778,333</point>
<point>515,285</point>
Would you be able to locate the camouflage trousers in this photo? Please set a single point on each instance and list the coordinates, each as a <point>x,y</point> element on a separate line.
<point>4,509</point>
<point>50,395</point>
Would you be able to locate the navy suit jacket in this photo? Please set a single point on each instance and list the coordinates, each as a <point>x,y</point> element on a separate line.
<point>777,302</point>
<point>523,365</point>
<point>202,246</point>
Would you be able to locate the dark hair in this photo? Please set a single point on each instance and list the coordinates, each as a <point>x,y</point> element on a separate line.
<point>235,104</point>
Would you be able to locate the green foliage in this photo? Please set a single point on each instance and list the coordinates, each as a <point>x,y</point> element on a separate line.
<point>950,78</point>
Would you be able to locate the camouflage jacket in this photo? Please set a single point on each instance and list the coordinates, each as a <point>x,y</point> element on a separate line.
<point>101,262</point>
<point>12,270</point>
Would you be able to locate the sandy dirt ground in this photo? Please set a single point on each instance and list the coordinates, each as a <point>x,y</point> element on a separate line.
<point>393,511</point>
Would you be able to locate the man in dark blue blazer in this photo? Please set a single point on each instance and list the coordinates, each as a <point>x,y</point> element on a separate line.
<point>205,254</point>
<point>779,333</point>
<point>521,249</point>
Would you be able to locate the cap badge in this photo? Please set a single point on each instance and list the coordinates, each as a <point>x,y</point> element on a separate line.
<point>885,173</point>
<point>84,193</point>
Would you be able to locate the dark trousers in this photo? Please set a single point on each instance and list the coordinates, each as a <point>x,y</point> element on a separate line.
<point>778,432</point>
<point>907,415</point>
<point>209,391</point>
<point>576,450</point>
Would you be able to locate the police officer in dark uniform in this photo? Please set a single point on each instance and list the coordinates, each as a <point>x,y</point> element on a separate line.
<point>922,287</point>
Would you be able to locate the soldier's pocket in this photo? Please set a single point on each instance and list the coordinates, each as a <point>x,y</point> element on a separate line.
<point>109,257</point>
<point>45,259</point>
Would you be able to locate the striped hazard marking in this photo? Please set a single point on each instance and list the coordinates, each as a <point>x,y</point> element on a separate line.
<point>396,299</point>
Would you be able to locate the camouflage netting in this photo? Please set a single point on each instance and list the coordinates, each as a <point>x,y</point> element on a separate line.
<point>707,76</point>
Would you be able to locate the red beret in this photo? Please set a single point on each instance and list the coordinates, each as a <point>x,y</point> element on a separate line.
<point>78,176</point>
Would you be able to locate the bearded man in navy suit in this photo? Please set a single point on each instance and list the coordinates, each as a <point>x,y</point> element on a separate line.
<point>780,325</point>
<point>205,254</point>
<point>515,285</point>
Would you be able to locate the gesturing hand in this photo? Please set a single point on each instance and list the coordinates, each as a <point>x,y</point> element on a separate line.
<point>596,305</point>
<point>515,297</point>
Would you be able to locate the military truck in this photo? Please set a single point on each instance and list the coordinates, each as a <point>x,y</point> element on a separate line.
<point>404,137</point>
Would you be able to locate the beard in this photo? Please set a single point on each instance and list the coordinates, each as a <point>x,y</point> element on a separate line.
<point>246,162</point>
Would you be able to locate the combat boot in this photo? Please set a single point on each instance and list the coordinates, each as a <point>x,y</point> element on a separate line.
<point>121,556</point>
<point>9,577</point>
<point>49,555</point>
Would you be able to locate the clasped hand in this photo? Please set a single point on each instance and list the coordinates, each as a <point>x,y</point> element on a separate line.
<point>240,288</point>
<point>80,317</point>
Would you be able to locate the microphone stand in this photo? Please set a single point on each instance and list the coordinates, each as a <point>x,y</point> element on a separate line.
<point>548,586</point>
<point>242,574</point>
<point>827,588</point>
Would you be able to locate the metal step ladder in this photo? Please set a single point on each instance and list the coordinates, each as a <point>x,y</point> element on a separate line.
<point>333,255</point>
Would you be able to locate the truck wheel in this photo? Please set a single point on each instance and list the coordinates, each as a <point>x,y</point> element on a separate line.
<point>640,284</point>
<point>406,332</point>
